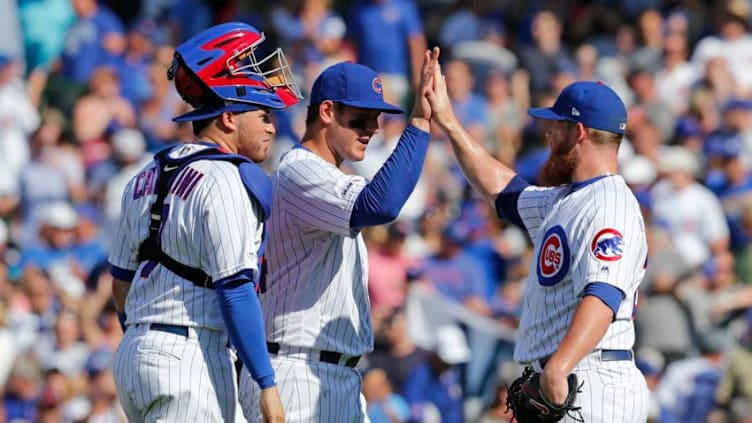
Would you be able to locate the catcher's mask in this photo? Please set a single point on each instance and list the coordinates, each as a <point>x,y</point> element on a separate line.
<point>219,67</point>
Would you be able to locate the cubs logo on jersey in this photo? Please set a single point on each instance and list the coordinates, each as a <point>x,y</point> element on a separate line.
<point>607,245</point>
<point>553,257</point>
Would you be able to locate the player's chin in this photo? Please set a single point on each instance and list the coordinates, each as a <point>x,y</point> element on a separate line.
<point>358,154</point>
<point>260,155</point>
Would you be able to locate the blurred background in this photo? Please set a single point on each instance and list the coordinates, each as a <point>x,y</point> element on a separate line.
<point>84,102</point>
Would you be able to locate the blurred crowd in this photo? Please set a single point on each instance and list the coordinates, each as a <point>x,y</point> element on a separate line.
<point>84,102</point>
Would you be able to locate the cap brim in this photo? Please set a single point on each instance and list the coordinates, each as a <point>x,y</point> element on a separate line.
<point>373,105</point>
<point>545,113</point>
<point>198,114</point>
<point>212,111</point>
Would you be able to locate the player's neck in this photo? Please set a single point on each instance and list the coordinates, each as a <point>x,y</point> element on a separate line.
<point>589,169</point>
<point>216,137</point>
<point>315,142</point>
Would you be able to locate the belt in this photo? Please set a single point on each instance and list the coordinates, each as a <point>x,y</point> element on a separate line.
<point>324,356</point>
<point>175,329</point>
<point>605,355</point>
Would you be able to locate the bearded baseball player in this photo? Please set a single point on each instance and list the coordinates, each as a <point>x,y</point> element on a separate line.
<point>576,332</point>
<point>185,252</point>
<point>315,301</point>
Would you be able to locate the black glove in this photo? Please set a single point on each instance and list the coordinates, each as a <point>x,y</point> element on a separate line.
<point>528,404</point>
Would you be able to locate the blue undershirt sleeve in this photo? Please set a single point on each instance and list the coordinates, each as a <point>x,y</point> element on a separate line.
<point>382,199</point>
<point>506,201</point>
<point>122,274</point>
<point>609,294</point>
<point>241,311</point>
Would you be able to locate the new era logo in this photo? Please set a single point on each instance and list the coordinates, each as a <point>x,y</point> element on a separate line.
<point>575,112</point>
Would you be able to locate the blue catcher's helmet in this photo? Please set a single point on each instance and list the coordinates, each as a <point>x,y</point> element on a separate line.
<point>217,70</point>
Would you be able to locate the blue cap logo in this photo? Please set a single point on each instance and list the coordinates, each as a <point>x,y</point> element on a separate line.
<point>593,104</point>
<point>376,83</point>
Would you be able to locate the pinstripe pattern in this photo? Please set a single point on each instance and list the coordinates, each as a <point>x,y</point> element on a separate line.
<point>613,391</point>
<point>548,310</point>
<point>166,376</point>
<point>317,292</point>
<point>311,392</point>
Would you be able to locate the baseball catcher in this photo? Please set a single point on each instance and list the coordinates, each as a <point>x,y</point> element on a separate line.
<point>528,404</point>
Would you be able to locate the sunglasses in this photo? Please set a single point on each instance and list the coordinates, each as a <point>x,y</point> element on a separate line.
<point>360,122</point>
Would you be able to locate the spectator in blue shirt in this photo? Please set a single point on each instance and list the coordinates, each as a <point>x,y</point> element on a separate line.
<point>389,38</point>
<point>437,382</point>
<point>61,254</point>
<point>97,38</point>
<point>454,273</point>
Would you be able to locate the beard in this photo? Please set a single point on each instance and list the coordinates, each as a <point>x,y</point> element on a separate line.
<point>558,169</point>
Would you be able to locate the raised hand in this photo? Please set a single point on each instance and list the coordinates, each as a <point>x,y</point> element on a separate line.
<point>421,107</point>
<point>438,98</point>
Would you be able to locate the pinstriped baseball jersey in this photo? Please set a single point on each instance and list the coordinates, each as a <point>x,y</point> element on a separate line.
<point>583,233</point>
<point>206,205</point>
<point>317,293</point>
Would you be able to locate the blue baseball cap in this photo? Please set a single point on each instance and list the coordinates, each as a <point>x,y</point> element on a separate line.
<point>215,109</point>
<point>725,146</point>
<point>352,84</point>
<point>738,104</point>
<point>592,104</point>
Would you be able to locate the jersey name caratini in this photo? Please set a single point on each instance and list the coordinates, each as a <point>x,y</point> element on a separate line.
<point>317,281</point>
<point>206,202</point>
<point>584,233</point>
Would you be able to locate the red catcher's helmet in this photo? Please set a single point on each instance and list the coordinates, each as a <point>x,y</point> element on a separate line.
<point>218,67</point>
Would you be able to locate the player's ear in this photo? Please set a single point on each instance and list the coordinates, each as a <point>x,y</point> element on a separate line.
<point>227,121</point>
<point>581,130</point>
<point>326,112</point>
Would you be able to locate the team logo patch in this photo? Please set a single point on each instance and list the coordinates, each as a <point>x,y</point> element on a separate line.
<point>607,245</point>
<point>553,257</point>
<point>376,84</point>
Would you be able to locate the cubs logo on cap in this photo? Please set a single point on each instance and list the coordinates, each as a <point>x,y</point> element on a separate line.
<point>553,257</point>
<point>607,245</point>
<point>376,84</point>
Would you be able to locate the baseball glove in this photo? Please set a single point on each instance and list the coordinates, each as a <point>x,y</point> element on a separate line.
<point>528,404</point>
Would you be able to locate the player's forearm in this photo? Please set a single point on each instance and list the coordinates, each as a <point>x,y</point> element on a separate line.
<point>242,315</point>
<point>120,286</point>
<point>484,173</point>
<point>589,325</point>
<point>382,199</point>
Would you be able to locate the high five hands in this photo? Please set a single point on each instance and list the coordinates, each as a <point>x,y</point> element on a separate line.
<point>432,101</point>
<point>421,113</point>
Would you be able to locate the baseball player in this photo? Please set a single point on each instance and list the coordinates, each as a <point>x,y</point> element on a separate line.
<point>315,301</point>
<point>589,249</point>
<point>185,252</point>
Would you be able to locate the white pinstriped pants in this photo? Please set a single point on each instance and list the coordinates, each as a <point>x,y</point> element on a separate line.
<point>311,391</point>
<point>164,377</point>
<point>612,392</point>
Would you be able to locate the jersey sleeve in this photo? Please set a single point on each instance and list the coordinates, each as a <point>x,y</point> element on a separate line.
<point>230,231</point>
<point>124,249</point>
<point>613,246</point>
<point>533,206</point>
<point>319,196</point>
